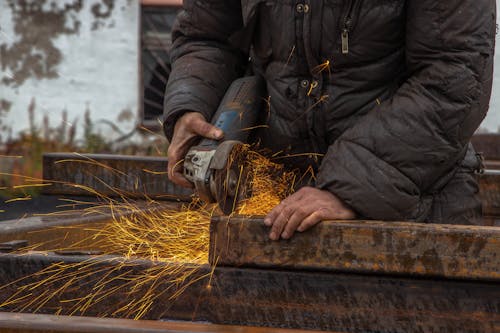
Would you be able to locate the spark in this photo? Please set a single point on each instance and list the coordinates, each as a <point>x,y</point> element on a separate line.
<point>289,57</point>
<point>11,156</point>
<point>174,240</point>
<point>320,100</point>
<point>155,172</point>
<point>26,198</point>
<point>31,185</point>
<point>299,155</point>
<point>322,67</point>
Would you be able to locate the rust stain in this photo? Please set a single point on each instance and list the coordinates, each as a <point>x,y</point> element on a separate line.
<point>432,261</point>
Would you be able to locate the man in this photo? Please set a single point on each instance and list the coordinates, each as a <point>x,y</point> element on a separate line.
<point>390,91</point>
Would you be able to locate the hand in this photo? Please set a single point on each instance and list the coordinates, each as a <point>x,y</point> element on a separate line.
<point>188,127</point>
<point>304,209</point>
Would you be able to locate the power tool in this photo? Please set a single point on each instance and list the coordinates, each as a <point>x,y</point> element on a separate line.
<point>207,165</point>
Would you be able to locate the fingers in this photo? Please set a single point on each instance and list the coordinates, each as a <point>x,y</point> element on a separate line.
<point>310,221</point>
<point>280,216</point>
<point>276,211</point>
<point>187,129</point>
<point>293,222</point>
<point>199,126</point>
<point>279,223</point>
<point>304,209</point>
<point>175,167</point>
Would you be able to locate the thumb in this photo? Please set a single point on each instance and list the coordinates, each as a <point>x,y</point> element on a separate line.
<point>207,130</point>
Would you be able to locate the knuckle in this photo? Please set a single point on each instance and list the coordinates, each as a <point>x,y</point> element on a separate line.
<point>188,119</point>
<point>301,211</point>
<point>203,128</point>
<point>172,151</point>
<point>306,189</point>
<point>287,212</point>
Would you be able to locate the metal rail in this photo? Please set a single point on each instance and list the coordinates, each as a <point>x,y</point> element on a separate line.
<point>281,298</point>
<point>39,323</point>
<point>367,247</point>
<point>110,175</point>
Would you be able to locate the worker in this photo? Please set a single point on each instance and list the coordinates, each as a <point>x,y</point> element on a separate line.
<point>386,92</point>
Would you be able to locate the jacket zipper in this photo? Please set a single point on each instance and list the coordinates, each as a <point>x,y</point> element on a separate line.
<point>347,28</point>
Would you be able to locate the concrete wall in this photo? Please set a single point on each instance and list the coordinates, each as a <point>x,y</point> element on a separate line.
<point>492,121</point>
<point>72,55</point>
<point>78,55</point>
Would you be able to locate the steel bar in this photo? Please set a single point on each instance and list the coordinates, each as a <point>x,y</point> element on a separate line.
<point>294,299</point>
<point>39,323</point>
<point>132,177</point>
<point>402,248</point>
<point>110,175</point>
<point>66,228</point>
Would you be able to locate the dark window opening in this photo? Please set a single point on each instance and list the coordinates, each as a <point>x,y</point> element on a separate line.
<point>156,28</point>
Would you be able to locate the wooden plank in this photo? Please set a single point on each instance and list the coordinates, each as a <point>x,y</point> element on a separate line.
<point>294,299</point>
<point>110,175</point>
<point>39,323</point>
<point>403,248</point>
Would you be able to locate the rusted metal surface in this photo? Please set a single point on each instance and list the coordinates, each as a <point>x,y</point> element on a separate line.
<point>38,323</point>
<point>293,299</point>
<point>63,230</point>
<point>110,175</point>
<point>489,185</point>
<point>488,145</point>
<point>414,249</point>
<point>139,177</point>
<point>13,245</point>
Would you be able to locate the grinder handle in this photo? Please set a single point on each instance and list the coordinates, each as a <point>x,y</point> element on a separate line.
<point>238,111</point>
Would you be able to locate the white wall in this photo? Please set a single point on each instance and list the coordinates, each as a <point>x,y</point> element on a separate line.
<point>99,68</point>
<point>492,121</point>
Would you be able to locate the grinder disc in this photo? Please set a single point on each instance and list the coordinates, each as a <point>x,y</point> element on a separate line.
<point>231,187</point>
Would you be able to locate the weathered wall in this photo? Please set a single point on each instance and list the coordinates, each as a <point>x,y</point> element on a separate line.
<point>492,121</point>
<point>78,55</point>
<point>72,55</point>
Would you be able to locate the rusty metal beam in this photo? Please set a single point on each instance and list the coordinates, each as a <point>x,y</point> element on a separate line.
<point>110,175</point>
<point>39,323</point>
<point>294,299</point>
<point>488,145</point>
<point>402,248</point>
<point>489,189</point>
<point>66,228</point>
<point>139,177</point>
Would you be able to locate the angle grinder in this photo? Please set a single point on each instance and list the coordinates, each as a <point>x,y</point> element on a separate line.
<point>210,166</point>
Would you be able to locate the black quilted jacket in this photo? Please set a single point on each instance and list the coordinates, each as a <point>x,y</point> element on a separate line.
<point>389,91</point>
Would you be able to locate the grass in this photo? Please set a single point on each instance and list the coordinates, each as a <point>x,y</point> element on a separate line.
<point>21,157</point>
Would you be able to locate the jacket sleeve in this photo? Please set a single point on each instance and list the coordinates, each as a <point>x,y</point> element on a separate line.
<point>204,62</point>
<point>389,165</point>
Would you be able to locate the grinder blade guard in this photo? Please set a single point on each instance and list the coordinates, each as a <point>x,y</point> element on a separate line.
<point>207,165</point>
